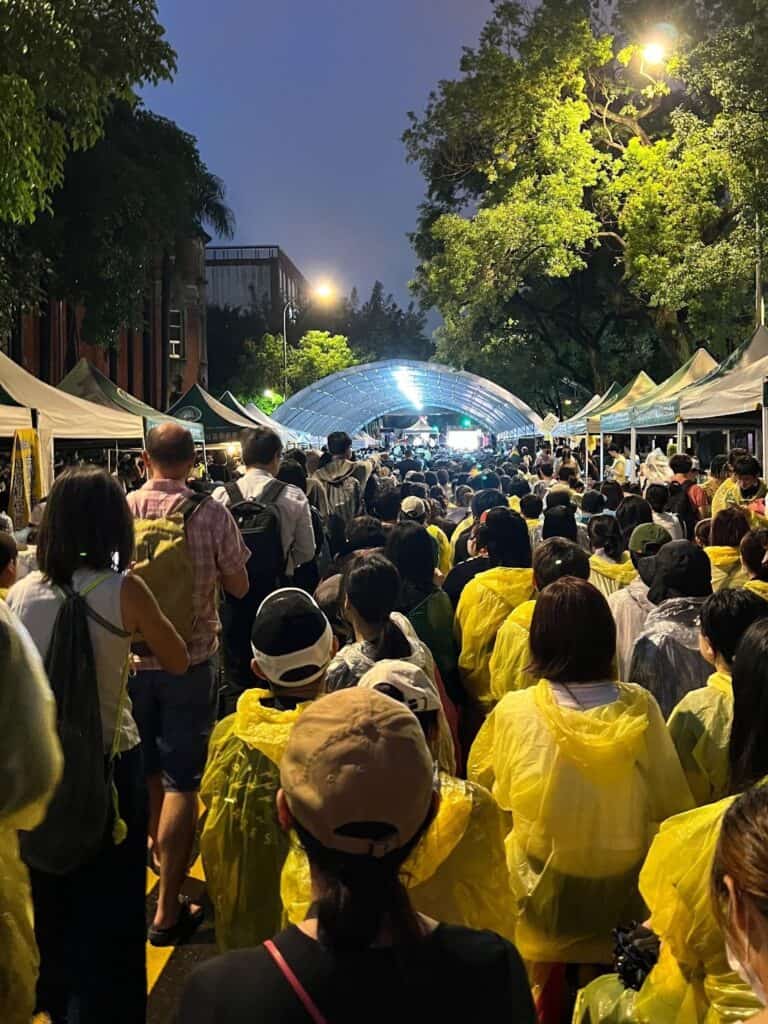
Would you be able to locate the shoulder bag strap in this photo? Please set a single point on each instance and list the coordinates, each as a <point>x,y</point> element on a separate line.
<point>304,997</point>
<point>271,492</point>
<point>234,493</point>
<point>91,612</point>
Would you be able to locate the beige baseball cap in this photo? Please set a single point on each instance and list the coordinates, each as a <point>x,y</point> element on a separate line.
<point>357,772</point>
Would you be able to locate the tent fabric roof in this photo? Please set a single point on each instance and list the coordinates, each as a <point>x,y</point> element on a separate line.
<point>259,417</point>
<point>219,422</point>
<point>644,413</point>
<point>737,390</point>
<point>352,398</point>
<point>59,415</point>
<point>85,381</point>
<point>583,421</point>
<point>595,400</point>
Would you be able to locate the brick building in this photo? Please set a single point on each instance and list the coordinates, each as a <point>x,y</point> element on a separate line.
<point>156,362</point>
<point>254,277</point>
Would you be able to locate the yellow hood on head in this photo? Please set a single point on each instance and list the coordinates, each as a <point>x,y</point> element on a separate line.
<point>523,614</point>
<point>602,737</point>
<point>266,729</point>
<point>622,572</point>
<point>723,557</point>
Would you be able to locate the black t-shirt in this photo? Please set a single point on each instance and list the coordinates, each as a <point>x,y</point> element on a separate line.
<point>454,974</point>
<point>406,465</point>
<point>461,574</point>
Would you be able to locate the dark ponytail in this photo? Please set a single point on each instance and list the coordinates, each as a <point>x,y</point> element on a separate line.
<point>604,533</point>
<point>359,893</point>
<point>748,744</point>
<point>372,587</point>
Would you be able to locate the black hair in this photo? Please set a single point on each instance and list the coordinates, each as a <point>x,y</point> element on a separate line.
<point>485,500</point>
<point>365,532</point>
<point>170,447</point>
<point>747,465</point>
<point>504,535</point>
<point>559,497</point>
<point>682,464</point>
<point>485,482</point>
<point>292,472</point>
<point>289,622</point>
<point>339,442</point>
<point>613,494</point>
<point>727,615</point>
<point>412,551</point>
<point>531,506</point>
<point>558,557</point>
<point>360,891</point>
<point>631,513</point>
<point>86,525</point>
<point>371,584</point>
<point>260,446</point>
<point>573,633</point>
<point>748,745</point>
<point>657,496</point>
<point>546,469</point>
<point>417,490</point>
<point>593,503</point>
<point>604,533</point>
<point>560,521</point>
<point>519,488</point>
<point>754,551</point>
<point>388,504</point>
<point>297,455</point>
<point>718,467</point>
<point>566,473</point>
<point>505,482</point>
<point>8,550</point>
<point>729,527</point>
<point>430,478</point>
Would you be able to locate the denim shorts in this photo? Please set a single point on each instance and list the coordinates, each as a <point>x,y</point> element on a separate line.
<point>175,717</point>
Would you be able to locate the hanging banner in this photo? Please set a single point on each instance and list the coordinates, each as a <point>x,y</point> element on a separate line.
<point>26,476</point>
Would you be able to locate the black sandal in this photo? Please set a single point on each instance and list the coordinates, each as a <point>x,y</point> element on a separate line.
<point>188,921</point>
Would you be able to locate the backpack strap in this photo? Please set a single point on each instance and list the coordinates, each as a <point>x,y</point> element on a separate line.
<point>271,492</point>
<point>70,592</point>
<point>234,493</point>
<point>190,505</point>
<point>302,995</point>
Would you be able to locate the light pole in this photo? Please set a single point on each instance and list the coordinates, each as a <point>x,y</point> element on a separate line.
<point>323,292</point>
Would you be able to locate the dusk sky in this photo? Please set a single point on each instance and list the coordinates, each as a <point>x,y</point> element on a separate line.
<point>299,106</point>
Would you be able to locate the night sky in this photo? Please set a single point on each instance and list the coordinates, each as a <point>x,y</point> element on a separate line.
<point>299,106</point>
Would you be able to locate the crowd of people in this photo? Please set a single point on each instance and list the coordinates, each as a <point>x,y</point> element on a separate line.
<point>471,737</point>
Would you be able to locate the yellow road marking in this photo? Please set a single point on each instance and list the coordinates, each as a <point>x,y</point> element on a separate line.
<point>158,957</point>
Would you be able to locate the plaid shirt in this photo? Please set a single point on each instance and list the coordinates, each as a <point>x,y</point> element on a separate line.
<point>216,548</point>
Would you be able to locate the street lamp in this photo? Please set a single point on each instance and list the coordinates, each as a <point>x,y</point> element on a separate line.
<point>323,292</point>
<point>654,53</point>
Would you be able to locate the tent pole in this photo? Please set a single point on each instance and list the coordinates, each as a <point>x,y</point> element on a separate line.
<point>727,441</point>
<point>602,456</point>
<point>632,452</point>
<point>680,437</point>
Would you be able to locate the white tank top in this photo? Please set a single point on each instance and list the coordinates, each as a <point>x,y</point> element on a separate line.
<point>37,603</point>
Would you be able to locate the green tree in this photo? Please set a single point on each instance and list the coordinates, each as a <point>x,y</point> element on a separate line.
<point>259,368</point>
<point>127,204</point>
<point>583,201</point>
<point>61,64</point>
<point>318,354</point>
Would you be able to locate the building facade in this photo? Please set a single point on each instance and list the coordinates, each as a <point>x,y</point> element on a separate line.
<point>255,277</point>
<point>157,361</point>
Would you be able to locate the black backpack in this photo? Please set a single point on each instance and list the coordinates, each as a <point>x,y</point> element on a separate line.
<point>259,523</point>
<point>681,505</point>
<point>81,811</point>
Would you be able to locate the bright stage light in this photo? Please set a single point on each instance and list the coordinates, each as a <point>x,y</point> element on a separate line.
<point>464,440</point>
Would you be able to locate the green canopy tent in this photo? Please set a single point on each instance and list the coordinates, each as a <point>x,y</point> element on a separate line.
<point>85,381</point>
<point>220,423</point>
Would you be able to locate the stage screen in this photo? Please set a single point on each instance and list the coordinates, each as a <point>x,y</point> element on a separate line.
<point>464,440</point>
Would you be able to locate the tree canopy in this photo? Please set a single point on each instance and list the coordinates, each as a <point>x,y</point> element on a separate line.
<point>588,213</point>
<point>62,62</point>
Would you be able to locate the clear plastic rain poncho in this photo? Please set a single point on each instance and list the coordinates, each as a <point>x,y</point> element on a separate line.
<point>457,874</point>
<point>30,767</point>
<point>587,791</point>
<point>691,983</point>
<point>666,658</point>
<point>242,844</point>
<point>700,727</point>
<point>510,664</point>
<point>485,603</point>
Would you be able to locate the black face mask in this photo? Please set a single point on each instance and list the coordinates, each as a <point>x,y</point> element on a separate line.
<point>750,492</point>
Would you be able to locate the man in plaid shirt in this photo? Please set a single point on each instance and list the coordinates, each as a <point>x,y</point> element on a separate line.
<point>175,714</point>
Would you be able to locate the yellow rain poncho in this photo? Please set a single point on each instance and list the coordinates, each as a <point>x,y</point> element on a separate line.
<point>457,874</point>
<point>464,525</point>
<point>586,790</point>
<point>700,727</point>
<point>444,554</point>
<point>510,662</point>
<point>610,576</point>
<point>759,587</point>
<point>242,844</point>
<point>728,494</point>
<point>691,983</point>
<point>30,767</point>
<point>727,570</point>
<point>485,603</point>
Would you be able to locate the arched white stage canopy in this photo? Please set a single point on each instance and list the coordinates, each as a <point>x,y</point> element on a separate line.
<point>352,398</point>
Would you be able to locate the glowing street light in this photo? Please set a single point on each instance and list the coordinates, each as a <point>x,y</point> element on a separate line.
<point>268,392</point>
<point>323,292</point>
<point>654,53</point>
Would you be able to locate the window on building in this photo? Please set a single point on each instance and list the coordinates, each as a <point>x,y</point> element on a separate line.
<point>176,334</point>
